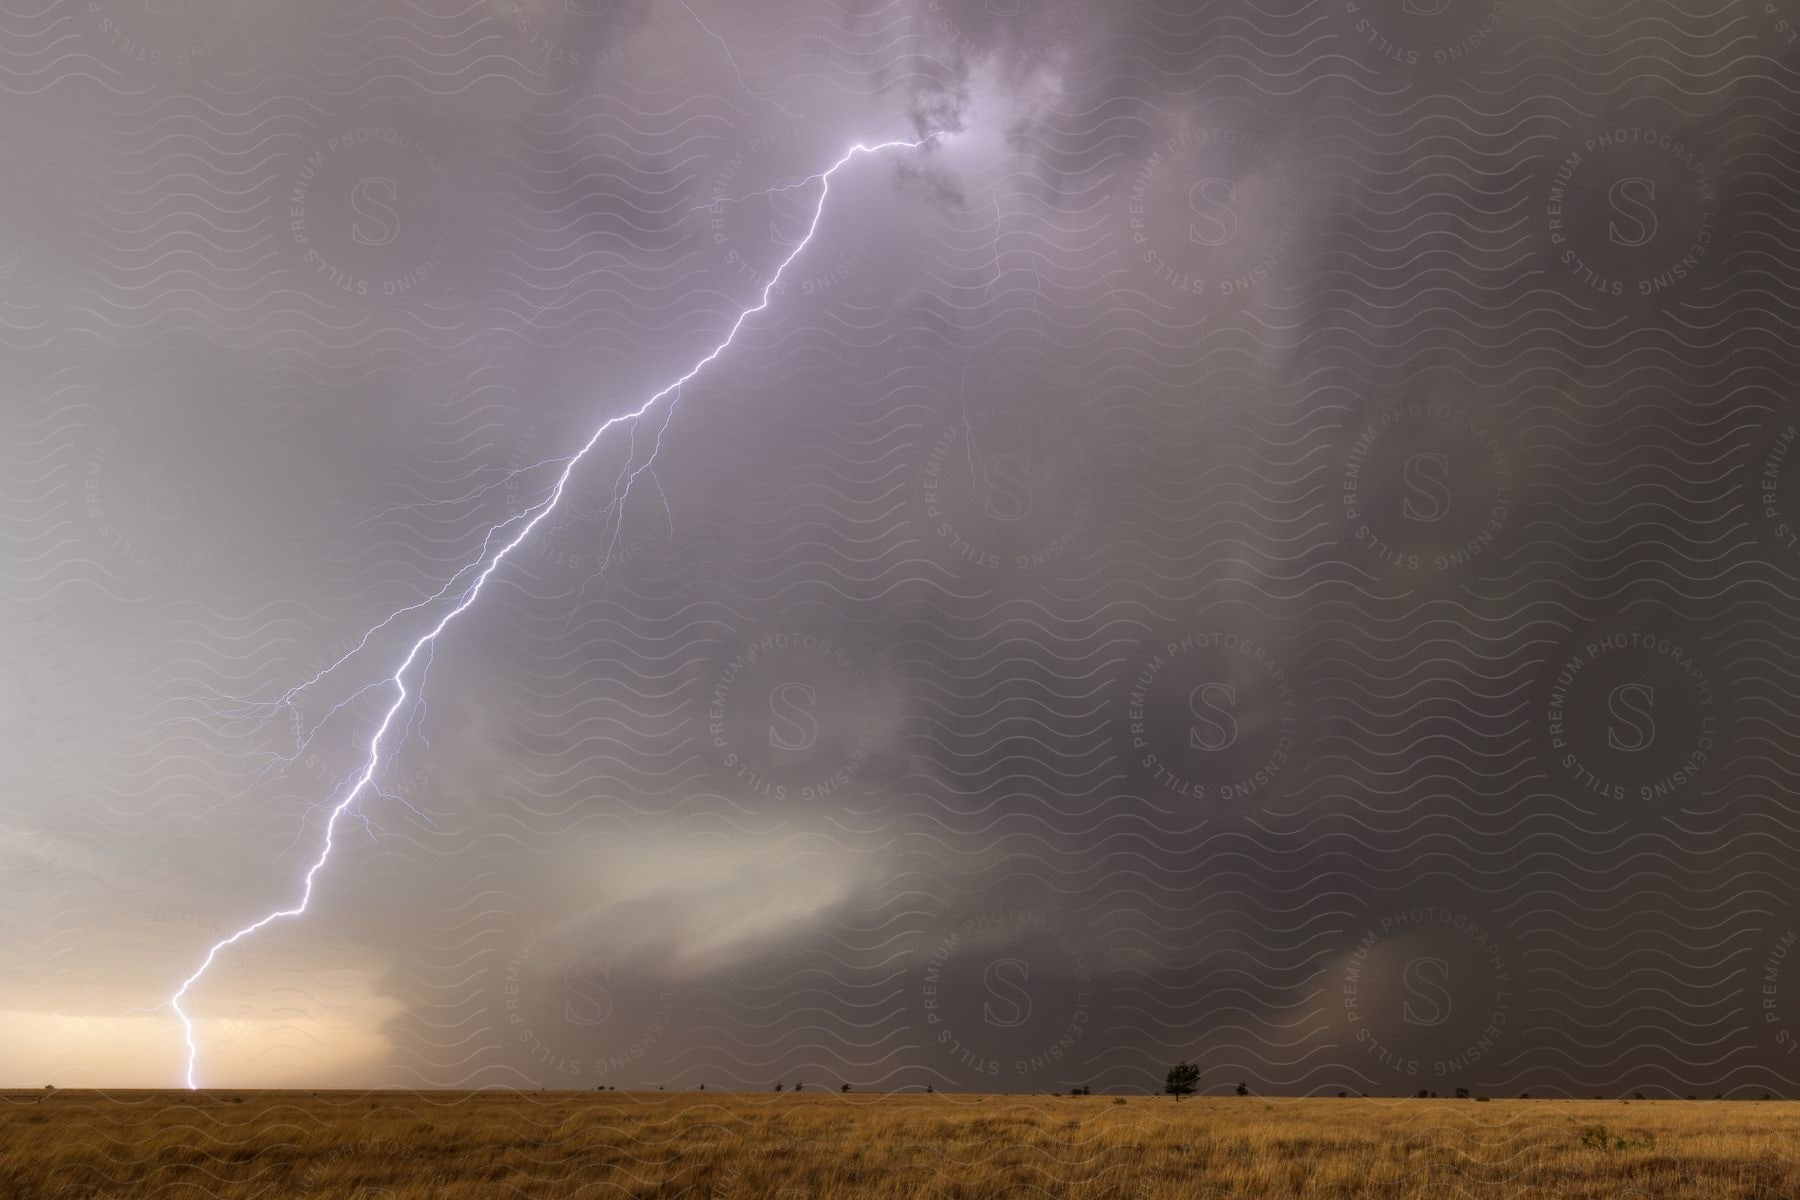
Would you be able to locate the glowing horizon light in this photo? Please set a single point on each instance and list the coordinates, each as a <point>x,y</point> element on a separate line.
<point>398,678</point>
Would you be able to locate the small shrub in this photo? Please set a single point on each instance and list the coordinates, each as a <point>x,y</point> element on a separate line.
<point>1598,1137</point>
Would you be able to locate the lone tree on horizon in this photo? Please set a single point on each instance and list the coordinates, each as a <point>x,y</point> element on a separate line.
<point>1181,1080</point>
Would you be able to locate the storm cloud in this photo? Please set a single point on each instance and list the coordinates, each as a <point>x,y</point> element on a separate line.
<point>1268,540</point>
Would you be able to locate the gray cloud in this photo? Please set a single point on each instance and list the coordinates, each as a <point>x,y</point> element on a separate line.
<point>1267,544</point>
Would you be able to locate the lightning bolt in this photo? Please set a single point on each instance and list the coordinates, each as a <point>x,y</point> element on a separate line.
<point>488,565</point>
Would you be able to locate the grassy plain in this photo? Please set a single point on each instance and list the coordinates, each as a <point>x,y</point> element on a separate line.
<point>826,1146</point>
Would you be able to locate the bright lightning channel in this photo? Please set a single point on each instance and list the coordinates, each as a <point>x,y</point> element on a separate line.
<point>398,678</point>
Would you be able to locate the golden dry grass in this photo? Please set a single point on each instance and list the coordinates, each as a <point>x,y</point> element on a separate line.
<point>460,1146</point>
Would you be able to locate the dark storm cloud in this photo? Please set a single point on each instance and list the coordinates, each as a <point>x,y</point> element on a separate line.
<point>1270,544</point>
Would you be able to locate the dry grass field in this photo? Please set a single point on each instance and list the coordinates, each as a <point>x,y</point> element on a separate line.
<point>461,1146</point>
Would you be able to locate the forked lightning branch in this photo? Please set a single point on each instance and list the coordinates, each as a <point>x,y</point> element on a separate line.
<point>474,577</point>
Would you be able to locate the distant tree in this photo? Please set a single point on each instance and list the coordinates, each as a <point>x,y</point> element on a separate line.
<point>703,1087</point>
<point>1524,1095</point>
<point>798,1086</point>
<point>1423,1094</point>
<point>845,1088</point>
<point>778,1085</point>
<point>929,1090</point>
<point>1181,1080</point>
<point>1462,1093</point>
<point>1341,1095</point>
<point>1243,1089</point>
<point>1637,1095</point>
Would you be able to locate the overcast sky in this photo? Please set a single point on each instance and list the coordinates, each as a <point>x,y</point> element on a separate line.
<point>1272,539</point>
